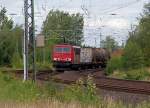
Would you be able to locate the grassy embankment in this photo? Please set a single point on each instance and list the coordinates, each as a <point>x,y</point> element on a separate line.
<point>135,74</point>
<point>15,90</point>
<point>16,94</point>
<point>116,69</point>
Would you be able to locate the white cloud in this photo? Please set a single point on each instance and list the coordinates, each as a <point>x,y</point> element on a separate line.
<point>118,23</point>
<point>71,11</point>
<point>93,22</point>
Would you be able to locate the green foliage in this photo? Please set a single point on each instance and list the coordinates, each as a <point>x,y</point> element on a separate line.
<point>61,24</point>
<point>118,74</point>
<point>10,42</point>
<point>109,43</point>
<point>133,56</point>
<point>50,90</point>
<point>79,92</point>
<point>133,74</point>
<point>6,47</point>
<point>11,89</point>
<point>16,61</point>
<point>115,63</point>
<point>143,105</point>
<point>137,74</point>
<point>141,35</point>
<point>43,65</point>
<point>16,90</point>
<point>10,39</point>
<point>5,23</point>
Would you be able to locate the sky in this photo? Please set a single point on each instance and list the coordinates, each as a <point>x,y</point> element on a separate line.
<point>108,17</point>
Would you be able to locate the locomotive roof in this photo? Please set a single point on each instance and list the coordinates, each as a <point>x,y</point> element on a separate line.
<point>61,45</point>
<point>76,46</point>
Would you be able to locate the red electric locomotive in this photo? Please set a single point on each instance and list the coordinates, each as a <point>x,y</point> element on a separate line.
<point>69,56</point>
<point>65,55</point>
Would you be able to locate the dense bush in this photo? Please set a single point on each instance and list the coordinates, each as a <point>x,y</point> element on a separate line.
<point>10,38</point>
<point>16,61</point>
<point>137,74</point>
<point>133,56</point>
<point>133,74</point>
<point>115,63</point>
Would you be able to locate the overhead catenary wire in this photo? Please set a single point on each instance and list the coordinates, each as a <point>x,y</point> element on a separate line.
<point>86,5</point>
<point>120,7</point>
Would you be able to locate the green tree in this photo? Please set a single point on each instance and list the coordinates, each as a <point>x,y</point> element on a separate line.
<point>5,23</point>
<point>10,39</point>
<point>62,24</point>
<point>141,35</point>
<point>109,43</point>
<point>133,56</point>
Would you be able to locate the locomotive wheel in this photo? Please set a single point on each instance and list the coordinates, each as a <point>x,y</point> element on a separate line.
<point>75,67</point>
<point>59,70</point>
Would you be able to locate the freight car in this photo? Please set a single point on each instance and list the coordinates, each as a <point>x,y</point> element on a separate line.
<point>68,56</point>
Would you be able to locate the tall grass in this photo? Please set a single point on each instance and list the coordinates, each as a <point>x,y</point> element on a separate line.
<point>134,74</point>
<point>11,89</point>
<point>57,104</point>
<point>16,94</point>
<point>44,65</point>
<point>78,92</point>
<point>16,90</point>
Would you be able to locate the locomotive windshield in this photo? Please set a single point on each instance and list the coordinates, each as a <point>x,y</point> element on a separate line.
<point>66,49</point>
<point>62,49</point>
<point>58,49</point>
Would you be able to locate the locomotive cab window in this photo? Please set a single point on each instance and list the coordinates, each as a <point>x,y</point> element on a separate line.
<point>62,49</point>
<point>58,49</point>
<point>67,50</point>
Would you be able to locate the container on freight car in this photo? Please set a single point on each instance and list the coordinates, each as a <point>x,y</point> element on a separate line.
<point>86,55</point>
<point>100,55</point>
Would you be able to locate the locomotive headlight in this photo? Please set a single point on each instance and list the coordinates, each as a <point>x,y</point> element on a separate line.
<point>55,59</point>
<point>68,59</point>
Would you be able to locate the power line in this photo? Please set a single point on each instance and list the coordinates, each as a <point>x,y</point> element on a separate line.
<point>120,7</point>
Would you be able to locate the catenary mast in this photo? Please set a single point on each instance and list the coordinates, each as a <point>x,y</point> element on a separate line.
<point>29,38</point>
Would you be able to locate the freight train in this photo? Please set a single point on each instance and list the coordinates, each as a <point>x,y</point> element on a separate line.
<point>75,57</point>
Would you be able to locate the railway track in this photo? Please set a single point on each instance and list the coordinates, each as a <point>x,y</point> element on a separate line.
<point>101,81</point>
<point>140,87</point>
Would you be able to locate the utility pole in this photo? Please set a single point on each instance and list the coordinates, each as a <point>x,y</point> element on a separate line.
<point>29,38</point>
<point>25,52</point>
<point>100,39</point>
<point>95,43</point>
